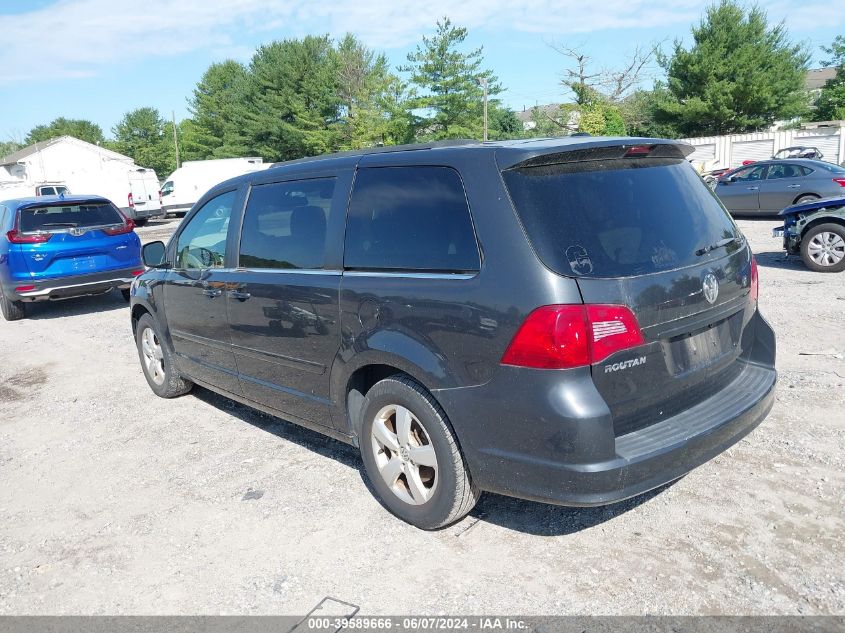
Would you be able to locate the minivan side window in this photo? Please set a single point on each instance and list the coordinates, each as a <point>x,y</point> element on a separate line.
<point>202,244</point>
<point>410,219</point>
<point>284,225</point>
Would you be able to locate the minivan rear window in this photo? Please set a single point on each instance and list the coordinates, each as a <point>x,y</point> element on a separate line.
<point>67,216</point>
<point>620,218</point>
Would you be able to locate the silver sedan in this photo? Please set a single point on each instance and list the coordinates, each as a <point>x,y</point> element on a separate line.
<point>771,185</point>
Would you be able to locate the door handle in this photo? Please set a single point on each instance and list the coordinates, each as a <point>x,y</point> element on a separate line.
<point>794,186</point>
<point>212,292</point>
<point>240,296</point>
<point>753,188</point>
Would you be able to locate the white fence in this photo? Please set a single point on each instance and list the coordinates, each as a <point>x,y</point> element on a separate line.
<point>712,152</point>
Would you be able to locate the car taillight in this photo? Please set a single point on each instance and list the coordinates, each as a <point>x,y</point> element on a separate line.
<point>127,227</point>
<point>131,201</point>
<point>564,336</point>
<point>136,273</point>
<point>640,151</point>
<point>839,181</point>
<point>755,280</point>
<point>16,237</point>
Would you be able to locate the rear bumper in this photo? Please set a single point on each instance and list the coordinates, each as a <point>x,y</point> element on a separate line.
<point>176,208</point>
<point>142,213</point>
<point>550,438</point>
<point>76,286</point>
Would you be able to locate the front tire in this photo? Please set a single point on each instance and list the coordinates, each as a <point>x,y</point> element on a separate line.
<point>12,310</point>
<point>823,248</point>
<point>411,456</point>
<point>157,361</point>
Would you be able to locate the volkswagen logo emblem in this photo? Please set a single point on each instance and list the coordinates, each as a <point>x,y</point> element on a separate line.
<point>710,286</point>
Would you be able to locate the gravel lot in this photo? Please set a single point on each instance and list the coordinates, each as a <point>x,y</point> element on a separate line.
<point>113,501</point>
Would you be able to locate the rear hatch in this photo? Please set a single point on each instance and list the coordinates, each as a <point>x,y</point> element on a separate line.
<point>636,226</point>
<point>76,238</point>
<point>144,187</point>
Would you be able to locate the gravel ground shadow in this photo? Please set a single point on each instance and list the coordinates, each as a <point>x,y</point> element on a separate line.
<point>514,514</point>
<point>77,306</point>
<point>779,259</point>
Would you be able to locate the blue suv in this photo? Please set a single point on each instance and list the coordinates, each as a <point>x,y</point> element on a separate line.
<point>56,247</point>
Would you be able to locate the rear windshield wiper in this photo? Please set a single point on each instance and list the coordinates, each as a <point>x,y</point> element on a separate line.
<point>719,244</point>
<point>70,224</point>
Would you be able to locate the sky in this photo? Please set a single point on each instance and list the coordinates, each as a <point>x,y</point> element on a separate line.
<point>98,59</point>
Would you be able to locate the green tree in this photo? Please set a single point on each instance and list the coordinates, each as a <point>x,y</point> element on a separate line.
<point>8,147</point>
<point>831,102</point>
<point>739,74</point>
<point>642,114</point>
<point>82,129</point>
<point>142,134</point>
<point>292,104</point>
<point>504,124</point>
<point>217,107</point>
<point>371,98</point>
<point>446,85</point>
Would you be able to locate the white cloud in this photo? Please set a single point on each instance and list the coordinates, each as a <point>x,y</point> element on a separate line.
<point>76,38</point>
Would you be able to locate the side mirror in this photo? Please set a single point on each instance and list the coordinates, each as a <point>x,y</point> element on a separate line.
<point>153,255</point>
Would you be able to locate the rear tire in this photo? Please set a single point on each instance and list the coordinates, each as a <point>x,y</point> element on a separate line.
<point>823,248</point>
<point>157,361</point>
<point>12,310</point>
<point>806,198</point>
<point>411,456</point>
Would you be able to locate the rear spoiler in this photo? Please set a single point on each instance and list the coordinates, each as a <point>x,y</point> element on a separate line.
<point>61,202</point>
<point>611,150</point>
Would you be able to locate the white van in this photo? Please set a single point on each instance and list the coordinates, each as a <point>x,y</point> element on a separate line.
<point>143,198</point>
<point>187,184</point>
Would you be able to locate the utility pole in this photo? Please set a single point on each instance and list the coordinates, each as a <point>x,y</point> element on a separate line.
<point>175,138</point>
<point>483,82</point>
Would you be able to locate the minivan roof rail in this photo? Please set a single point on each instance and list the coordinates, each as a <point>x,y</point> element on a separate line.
<point>384,149</point>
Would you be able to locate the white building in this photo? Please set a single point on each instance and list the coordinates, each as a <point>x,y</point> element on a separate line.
<point>85,169</point>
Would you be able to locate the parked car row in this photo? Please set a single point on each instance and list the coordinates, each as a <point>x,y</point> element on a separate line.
<point>572,320</point>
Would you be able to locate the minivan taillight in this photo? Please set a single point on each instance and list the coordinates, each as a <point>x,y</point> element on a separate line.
<point>755,280</point>
<point>565,336</point>
<point>16,237</point>
<point>127,227</point>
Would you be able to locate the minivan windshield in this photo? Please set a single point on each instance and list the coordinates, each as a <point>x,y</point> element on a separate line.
<point>620,218</point>
<point>67,216</point>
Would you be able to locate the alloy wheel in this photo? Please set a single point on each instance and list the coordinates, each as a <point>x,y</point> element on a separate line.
<point>153,356</point>
<point>404,454</point>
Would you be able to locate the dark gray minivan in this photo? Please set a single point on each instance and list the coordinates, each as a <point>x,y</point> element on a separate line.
<point>568,320</point>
